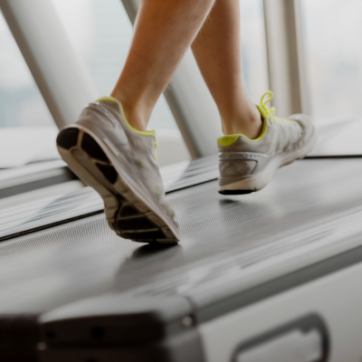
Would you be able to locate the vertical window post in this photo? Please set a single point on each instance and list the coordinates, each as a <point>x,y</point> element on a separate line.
<point>286,64</point>
<point>60,76</point>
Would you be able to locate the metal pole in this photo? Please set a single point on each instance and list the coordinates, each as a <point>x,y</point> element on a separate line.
<point>285,55</point>
<point>60,75</point>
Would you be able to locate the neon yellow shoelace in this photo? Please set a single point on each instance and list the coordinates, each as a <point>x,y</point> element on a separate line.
<point>270,111</point>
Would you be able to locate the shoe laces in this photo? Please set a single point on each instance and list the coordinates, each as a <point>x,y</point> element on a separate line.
<point>270,111</point>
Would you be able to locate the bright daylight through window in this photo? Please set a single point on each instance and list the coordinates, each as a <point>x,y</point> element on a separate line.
<point>101,36</point>
<point>253,48</point>
<point>26,126</point>
<point>333,54</point>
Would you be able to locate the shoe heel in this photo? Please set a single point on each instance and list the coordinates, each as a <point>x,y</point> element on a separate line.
<point>126,213</point>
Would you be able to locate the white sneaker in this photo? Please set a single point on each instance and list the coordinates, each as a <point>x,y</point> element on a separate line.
<point>248,165</point>
<point>105,152</point>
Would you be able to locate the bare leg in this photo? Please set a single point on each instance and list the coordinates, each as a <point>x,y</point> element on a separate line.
<point>217,51</point>
<point>164,29</point>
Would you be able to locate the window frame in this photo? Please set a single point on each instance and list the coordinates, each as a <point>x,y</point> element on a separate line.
<point>285,51</point>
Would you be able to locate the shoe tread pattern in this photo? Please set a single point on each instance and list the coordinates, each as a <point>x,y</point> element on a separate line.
<point>126,219</point>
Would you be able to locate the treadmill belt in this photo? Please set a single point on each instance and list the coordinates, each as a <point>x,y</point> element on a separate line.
<point>54,210</point>
<point>311,211</point>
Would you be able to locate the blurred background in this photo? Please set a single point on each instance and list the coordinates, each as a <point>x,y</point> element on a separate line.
<point>100,33</point>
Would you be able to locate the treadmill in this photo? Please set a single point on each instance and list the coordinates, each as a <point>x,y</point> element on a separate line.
<point>273,276</point>
<point>270,276</point>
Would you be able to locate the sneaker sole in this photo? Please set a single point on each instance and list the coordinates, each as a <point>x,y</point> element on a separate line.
<point>126,211</point>
<point>260,180</point>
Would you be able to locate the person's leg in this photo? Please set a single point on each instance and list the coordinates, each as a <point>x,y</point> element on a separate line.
<point>256,142</point>
<point>108,147</point>
<point>217,51</point>
<point>164,29</point>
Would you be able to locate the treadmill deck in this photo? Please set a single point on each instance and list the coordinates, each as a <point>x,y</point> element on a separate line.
<point>311,211</point>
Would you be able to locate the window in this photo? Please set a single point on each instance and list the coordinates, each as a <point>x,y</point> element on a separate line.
<point>101,32</point>
<point>331,31</point>
<point>253,48</point>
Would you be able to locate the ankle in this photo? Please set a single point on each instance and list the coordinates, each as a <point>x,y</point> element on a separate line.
<point>249,124</point>
<point>134,117</point>
<point>135,114</point>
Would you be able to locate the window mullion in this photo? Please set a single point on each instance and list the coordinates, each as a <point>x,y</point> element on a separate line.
<point>60,76</point>
<point>285,55</point>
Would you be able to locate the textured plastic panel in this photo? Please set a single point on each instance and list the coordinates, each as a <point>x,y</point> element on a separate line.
<point>309,212</point>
